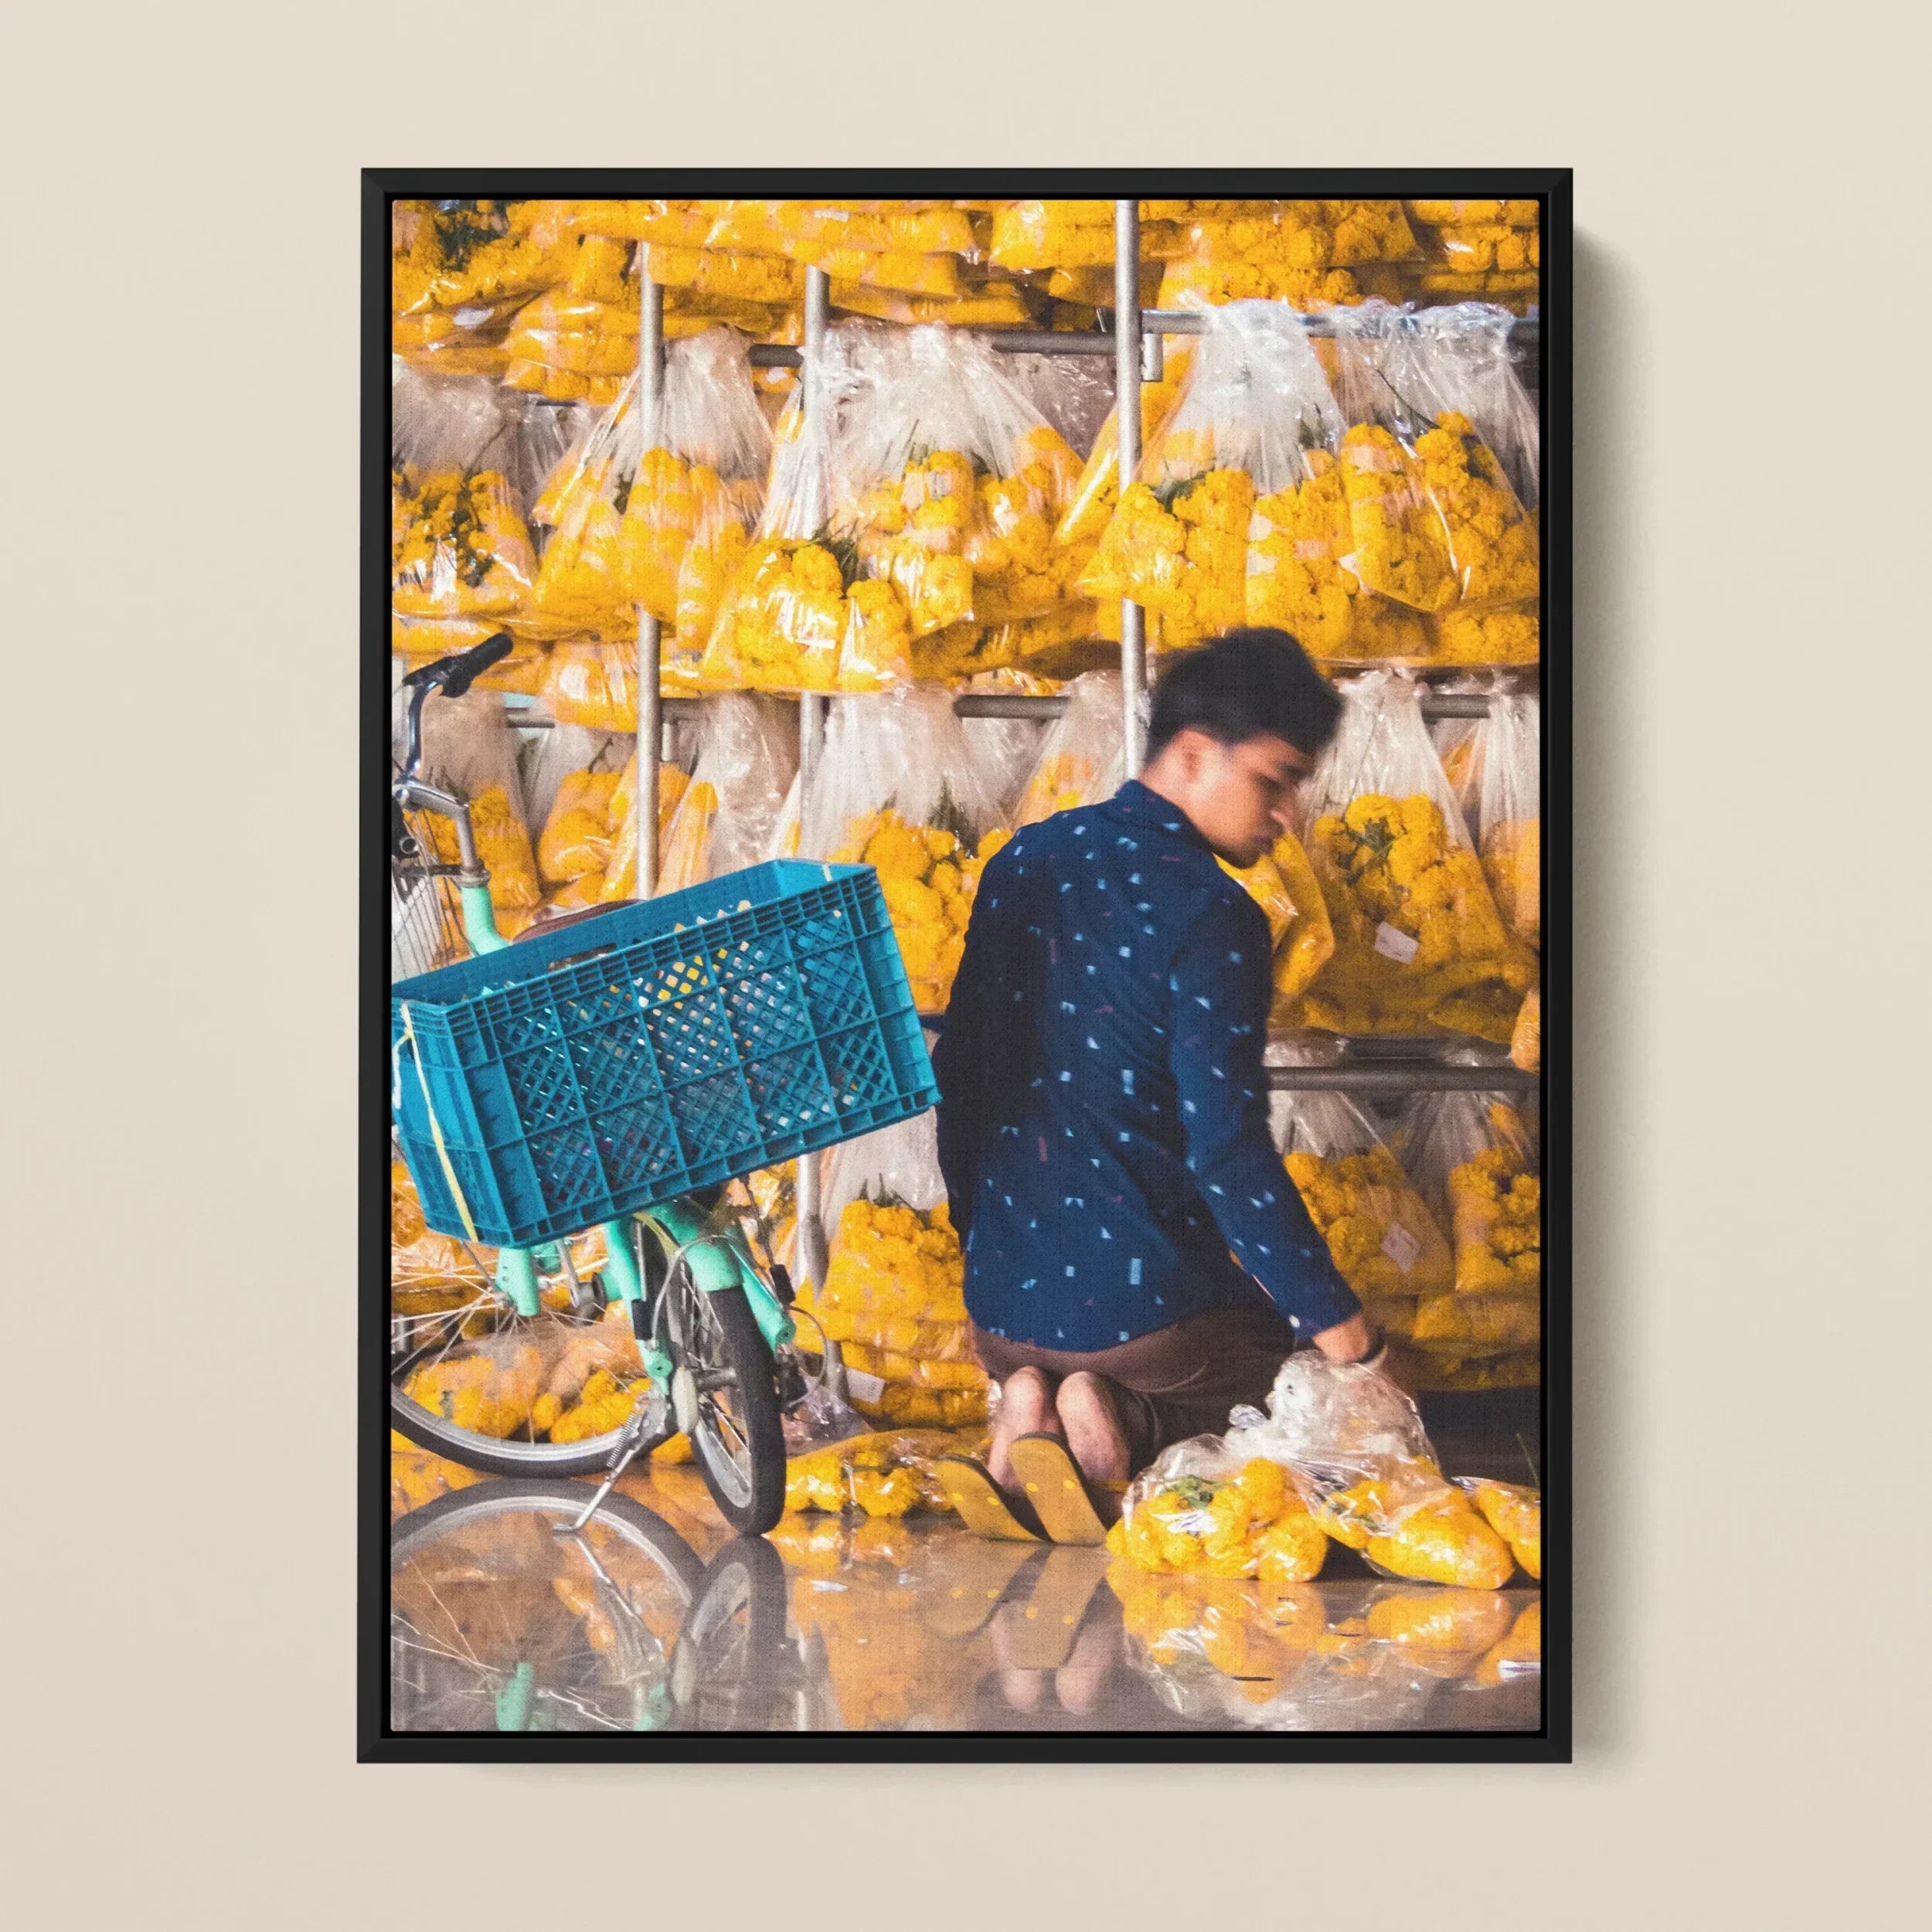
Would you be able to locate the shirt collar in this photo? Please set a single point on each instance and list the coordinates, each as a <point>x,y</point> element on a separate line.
<point>1149,810</point>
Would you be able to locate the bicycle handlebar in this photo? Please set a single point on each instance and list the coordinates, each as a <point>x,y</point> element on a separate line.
<point>453,676</point>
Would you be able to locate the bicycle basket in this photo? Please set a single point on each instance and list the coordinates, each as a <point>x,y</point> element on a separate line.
<point>665,1045</point>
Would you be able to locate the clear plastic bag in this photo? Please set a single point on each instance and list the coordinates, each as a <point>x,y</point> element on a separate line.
<point>1420,945</point>
<point>469,751</point>
<point>576,839</point>
<point>1364,1467</point>
<point>816,231</point>
<point>1082,758</point>
<point>1526,1037</point>
<point>655,513</point>
<point>894,1293</point>
<point>451,255</point>
<point>459,547</point>
<point>1390,1247</point>
<point>898,790</point>
<point>745,758</point>
<point>1472,1153</point>
<point>1255,424</point>
<point>1515,1514</point>
<point>1509,820</point>
<point>1202,1509</point>
<point>1097,494</point>
<point>594,685</point>
<point>797,614</point>
<point>951,486</point>
<point>1434,521</point>
<point>1301,937</point>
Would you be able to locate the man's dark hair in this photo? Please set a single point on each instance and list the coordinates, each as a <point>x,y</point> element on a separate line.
<point>1246,684</point>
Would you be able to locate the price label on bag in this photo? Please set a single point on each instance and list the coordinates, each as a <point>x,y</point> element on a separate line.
<point>1401,1246</point>
<point>864,1388</point>
<point>1395,945</point>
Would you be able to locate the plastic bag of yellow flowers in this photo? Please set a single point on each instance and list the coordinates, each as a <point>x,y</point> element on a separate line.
<point>459,546</point>
<point>1081,758</point>
<point>1390,1247</point>
<point>884,1475</point>
<point>798,613</point>
<point>951,484</point>
<point>1364,1465</point>
<point>900,791</point>
<point>894,1297</point>
<point>1435,522</point>
<point>1473,1152</point>
<point>1420,945</point>
<point>469,751</point>
<point>654,511</point>
<point>1236,514</point>
<point>744,757</point>
<point>1204,1508</point>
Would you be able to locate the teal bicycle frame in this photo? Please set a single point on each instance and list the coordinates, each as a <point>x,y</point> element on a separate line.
<point>717,1262</point>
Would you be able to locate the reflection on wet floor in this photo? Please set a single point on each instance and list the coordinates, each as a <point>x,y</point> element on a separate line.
<point>653,1618</point>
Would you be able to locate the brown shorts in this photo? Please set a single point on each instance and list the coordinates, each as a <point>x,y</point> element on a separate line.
<point>1173,1383</point>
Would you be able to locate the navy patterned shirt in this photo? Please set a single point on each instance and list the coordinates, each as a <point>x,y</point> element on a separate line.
<point>1103,1117</point>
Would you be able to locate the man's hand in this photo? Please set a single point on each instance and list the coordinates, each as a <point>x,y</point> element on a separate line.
<point>1353,1340</point>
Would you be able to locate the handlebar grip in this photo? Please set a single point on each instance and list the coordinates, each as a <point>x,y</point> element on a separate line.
<point>467,665</point>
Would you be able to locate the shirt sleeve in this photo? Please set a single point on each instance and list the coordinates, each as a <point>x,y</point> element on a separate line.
<point>959,1060</point>
<point>1222,985</point>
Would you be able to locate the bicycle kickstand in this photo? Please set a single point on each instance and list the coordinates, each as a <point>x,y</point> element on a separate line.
<point>640,1425</point>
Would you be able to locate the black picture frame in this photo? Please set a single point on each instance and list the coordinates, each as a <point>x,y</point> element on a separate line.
<point>376,1741</point>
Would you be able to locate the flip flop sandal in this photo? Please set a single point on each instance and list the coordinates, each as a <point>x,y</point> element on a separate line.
<point>1040,1632</point>
<point>1051,1480</point>
<point>983,1507</point>
<point>969,1589</point>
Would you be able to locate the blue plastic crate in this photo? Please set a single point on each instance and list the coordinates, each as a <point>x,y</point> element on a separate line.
<point>587,1073</point>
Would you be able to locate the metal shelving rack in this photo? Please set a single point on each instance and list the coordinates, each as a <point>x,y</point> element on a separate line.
<point>1134,337</point>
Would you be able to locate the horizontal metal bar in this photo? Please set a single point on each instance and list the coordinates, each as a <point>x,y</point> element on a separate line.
<point>1003,704</point>
<point>1100,341</point>
<point>1013,704</point>
<point>1393,1079</point>
<point>1052,341</point>
<point>991,704</point>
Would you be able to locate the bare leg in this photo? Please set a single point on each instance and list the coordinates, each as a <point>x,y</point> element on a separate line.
<point>1091,1422</point>
<point>1026,1409</point>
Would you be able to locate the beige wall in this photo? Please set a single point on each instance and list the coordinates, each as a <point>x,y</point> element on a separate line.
<point>180,434</point>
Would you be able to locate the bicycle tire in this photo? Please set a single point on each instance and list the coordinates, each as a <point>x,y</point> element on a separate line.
<point>667,1549</point>
<point>497,1456</point>
<point>750,1499</point>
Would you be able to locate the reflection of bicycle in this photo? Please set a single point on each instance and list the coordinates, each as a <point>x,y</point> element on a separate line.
<point>505,1616</point>
<point>606,1088</point>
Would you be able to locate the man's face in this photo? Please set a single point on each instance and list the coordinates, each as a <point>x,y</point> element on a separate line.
<point>1241,797</point>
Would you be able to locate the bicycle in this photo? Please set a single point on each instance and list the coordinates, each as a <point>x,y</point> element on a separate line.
<point>601,1073</point>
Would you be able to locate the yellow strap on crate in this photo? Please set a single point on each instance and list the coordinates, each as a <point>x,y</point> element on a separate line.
<point>436,1129</point>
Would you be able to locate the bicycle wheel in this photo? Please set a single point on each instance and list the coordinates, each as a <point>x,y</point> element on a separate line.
<point>737,1433</point>
<point>468,1376</point>
<point>499,1623</point>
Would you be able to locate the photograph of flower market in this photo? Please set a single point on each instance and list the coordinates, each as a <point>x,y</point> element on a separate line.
<point>964,813</point>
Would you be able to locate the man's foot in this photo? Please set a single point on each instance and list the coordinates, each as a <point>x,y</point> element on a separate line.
<point>1090,1420</point>
<point>1026,1409</point>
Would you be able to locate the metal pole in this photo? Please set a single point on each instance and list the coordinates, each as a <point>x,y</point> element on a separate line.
<point>649,644</point>
<point>1127,413</point>
<point>810,1249</point>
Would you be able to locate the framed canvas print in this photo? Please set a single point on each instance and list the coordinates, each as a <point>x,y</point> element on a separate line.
<point>967,842</point>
